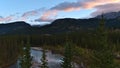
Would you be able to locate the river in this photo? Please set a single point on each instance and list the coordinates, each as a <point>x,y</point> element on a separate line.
<point>54,60</point>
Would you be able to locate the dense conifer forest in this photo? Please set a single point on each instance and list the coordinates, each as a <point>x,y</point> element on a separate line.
<point>92,49</point>
<point>60,34</point>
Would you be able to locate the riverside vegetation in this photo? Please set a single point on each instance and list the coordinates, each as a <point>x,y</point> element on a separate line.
<point>91,49</point>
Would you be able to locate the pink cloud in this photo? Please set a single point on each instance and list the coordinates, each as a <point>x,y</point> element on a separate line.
<point>7,19</point>
<point>29,14</point>
<point>47,14</point>
<point>50,14</point>
<point>46,17</point>
<point>75,6</point>
<point>93,3</point>
<point>113,7</point>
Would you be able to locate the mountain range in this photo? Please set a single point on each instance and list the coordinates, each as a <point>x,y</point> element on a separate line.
<point>111,15</point>
<point>112,20</point>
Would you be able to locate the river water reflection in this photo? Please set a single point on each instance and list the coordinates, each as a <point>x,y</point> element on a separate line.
<point>54,60</point>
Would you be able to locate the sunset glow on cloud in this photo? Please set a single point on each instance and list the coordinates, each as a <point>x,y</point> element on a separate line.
<point>47,14</point>
<point>30,13</point>
<point>52,11</point>
<point>7,19</point>
<point>77,6</point>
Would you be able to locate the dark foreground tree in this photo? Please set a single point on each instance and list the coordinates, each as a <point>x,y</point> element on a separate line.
<point>25,59</point>
<point>67,60</point>
<point>44,63</point>
<point>103,54</point>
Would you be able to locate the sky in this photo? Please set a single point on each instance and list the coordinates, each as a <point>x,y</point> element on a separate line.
<point>43,12</point>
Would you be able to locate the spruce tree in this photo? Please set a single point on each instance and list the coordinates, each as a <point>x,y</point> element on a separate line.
<point>67,60</point>
<point>22,55</point>
<point>103,54</point>
<point>25,59</point>
<point>44,63</point>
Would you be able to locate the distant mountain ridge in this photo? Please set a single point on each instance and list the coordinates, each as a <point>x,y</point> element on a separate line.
<point>111,15</point>
<point>70,25</point>
<point>13,27</point>
<point>59,26</point>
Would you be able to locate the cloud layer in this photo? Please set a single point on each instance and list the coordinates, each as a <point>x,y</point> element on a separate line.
<point>113,7</point>
<point>6,19</point>
<point>29,14</point>
<point>101,6</point>
<point>22,17</point>
<point>48,15</point>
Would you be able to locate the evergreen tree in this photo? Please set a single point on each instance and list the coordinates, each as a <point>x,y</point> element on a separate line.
<point>44,63</point>
<point>103,54</point>
<point>25,59</point>
<point>67,60</point>
<point>22,55</point>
